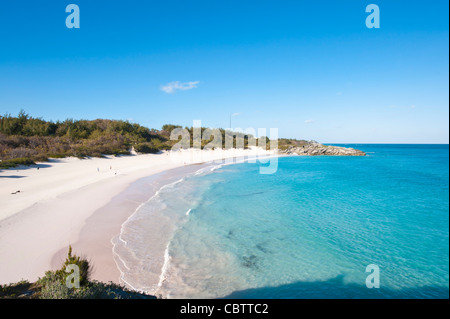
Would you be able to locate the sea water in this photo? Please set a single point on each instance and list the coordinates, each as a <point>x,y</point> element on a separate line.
<point>308,231</point>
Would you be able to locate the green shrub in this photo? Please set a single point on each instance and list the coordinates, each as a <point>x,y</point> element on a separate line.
<point>55,290</point>
<point>14,290</point>
<point>81,263</point>
<point>15,162</point>
<point>146,148</point>
<point>57,155</point>
<point>53,286</point>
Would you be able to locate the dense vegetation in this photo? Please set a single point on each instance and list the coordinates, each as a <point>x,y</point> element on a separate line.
<point>284,143</point>
<point>53,286</point>
<point>25,140</point>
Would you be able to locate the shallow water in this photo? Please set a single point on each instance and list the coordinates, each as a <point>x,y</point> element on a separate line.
<point>308,231</point>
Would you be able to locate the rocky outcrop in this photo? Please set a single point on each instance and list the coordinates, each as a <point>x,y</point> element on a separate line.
<point>316,149</point>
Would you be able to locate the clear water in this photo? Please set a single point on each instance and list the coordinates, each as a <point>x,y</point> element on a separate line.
<point>308,231</point>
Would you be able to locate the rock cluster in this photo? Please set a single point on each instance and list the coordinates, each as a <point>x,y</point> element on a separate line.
<point>316,149</point>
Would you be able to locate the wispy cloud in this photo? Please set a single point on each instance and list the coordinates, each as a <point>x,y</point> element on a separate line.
<point>172,87</point>
<point>235,114</point>
<point>309,121</point>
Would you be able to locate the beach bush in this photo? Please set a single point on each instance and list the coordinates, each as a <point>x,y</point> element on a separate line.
<point>93,290</point>
<point>54,290</point>
<point>53,285</point>
<point>15,290</point>
<point>81,263</point>
<point>146,148</point>
<point>37,140</point>
<point>15,162</point>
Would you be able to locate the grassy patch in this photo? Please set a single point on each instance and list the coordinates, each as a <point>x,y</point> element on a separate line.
<point>16,162</point>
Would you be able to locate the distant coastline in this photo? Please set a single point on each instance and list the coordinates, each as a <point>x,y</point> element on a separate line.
<point>25,140</point>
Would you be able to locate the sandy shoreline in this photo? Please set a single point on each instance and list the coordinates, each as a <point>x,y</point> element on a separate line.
<point>82,203</point>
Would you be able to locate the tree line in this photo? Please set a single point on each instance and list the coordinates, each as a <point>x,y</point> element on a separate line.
<point>25,140</point>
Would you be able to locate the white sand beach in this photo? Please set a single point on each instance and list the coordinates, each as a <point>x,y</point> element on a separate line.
<point>75,202</point>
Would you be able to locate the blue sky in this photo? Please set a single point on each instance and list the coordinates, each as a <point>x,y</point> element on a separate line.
<point>312,69</point>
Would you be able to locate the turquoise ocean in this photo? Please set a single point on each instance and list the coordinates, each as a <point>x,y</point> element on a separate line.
<point>307,231</point>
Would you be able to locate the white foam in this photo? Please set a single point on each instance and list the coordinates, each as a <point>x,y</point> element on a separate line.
<point>119,240</point>
<point>170,185</point>
<point>118,256</point>
<point>216,167</point>
<point>165,267</point>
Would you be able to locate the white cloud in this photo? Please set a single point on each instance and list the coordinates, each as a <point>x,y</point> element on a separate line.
<point>235,114</point>
<point>309,121</point>
<point>172,87</point>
